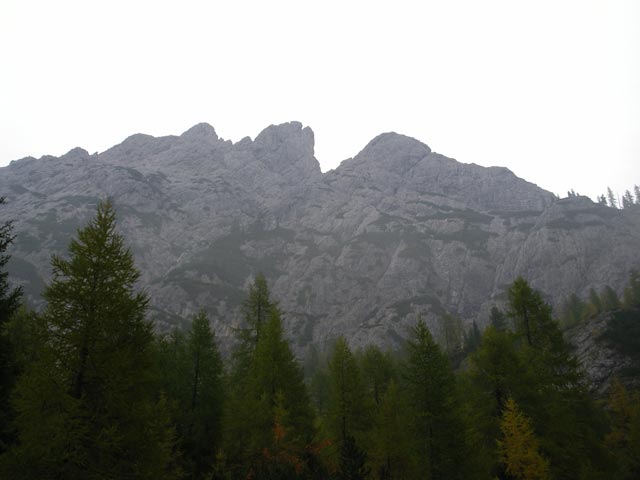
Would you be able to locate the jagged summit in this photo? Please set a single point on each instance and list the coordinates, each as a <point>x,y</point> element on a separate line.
<point>200,131</point>
<point>394,232</point>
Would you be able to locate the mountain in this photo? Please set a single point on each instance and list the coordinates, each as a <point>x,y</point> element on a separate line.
<point>395,232</point>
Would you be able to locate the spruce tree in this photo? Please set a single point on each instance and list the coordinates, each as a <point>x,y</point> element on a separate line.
<point>86,406</point>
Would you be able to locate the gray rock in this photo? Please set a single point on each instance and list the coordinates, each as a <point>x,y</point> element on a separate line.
<point>395,232</point>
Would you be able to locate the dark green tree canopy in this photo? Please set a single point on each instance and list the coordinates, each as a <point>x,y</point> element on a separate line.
<point>87,407</point>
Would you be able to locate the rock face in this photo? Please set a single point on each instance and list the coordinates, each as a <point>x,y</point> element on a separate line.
<point>395,232</point>
<point>602,361</point>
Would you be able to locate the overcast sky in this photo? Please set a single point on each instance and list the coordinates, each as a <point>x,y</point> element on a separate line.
<point>549,89</point>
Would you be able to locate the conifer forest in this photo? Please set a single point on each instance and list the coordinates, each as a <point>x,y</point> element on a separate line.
<point>89,390</point>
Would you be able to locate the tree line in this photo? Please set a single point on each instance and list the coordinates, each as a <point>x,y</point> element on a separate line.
<point>89,391</point>
<point>610,199</point>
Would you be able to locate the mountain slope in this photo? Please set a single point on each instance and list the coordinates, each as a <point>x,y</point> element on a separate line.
<point>392,233</point>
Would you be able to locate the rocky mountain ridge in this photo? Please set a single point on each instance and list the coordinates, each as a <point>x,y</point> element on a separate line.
<point>395,232</point>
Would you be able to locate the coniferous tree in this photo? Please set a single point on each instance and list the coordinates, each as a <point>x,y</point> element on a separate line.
<point>611,198</point>
<point>573,310</point>
<point>349,414</point>
<point>568,420</point>
<point>595,303</point>
<point>636,190</point>
<point>353,461</point>
<point>610,300</point>
<point>632,292</point>
<point>268,410</point>
<point>518,447</point>
<point>87,407</point>
<point>191,375</point>
<point>498,318</point>
<point>623,440</point>
<point>390,450</point>
<point>472,339</point>
<point>377,372</point>
<point>9,303</point>
<point>627,199</point>
<point>439,432</point>
<point>602,200</point>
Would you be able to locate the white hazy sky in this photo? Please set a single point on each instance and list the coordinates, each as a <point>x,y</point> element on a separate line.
<point>549,89</point>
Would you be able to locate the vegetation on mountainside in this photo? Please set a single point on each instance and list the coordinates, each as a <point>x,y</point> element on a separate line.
<point>89,391</point>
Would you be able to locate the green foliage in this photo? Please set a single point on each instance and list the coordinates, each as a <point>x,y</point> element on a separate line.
<point>497,318</point>
<point>9,303</point>
<point>472,339</point>
<point>623,441</point>
<point>86,405</point>
<point>610,300</point>
<point>191,371</point>
<point>269,412</point>
<point>595,304</point>
<point>391,446</point>
<point>573,311</point>
<point>9,297</point>
<point>350,408</point>
<point>377,372</point>
<point>631,297</point>
<point>438,430</point>
<point>535,367</point>
<point>518,447</point>
<point>352,461</point>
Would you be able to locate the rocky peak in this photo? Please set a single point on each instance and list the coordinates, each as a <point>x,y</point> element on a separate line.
<point>201,131</point>
<point>288,149</point>
<point>392,152</point>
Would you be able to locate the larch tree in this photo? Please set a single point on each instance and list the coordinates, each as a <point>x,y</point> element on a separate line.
<point>438,427</point>
<point>518,447</point>
<point>87,406</point>
<point>200,422</point>
<point>623,440</point>
<point>350,407</point>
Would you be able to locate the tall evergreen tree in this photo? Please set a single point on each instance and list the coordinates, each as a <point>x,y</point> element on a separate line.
<point>191,376</point>
<point>636,190</point>
<point>86,406</point>
<point>518,447</point>
<point>350,407</point>
<point>627,199</point>
<point>573,310</point>
<point>390,450</point>
<point>9,303</point>
<point>377,372</point>
<point>610,300</point>
<point>611,198</point>
<point>595,303</point>
<point>632,292</point>
<point>268,414</point>
<point>498,318</point>
<point>623,440</point>
<point>439,432</point>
